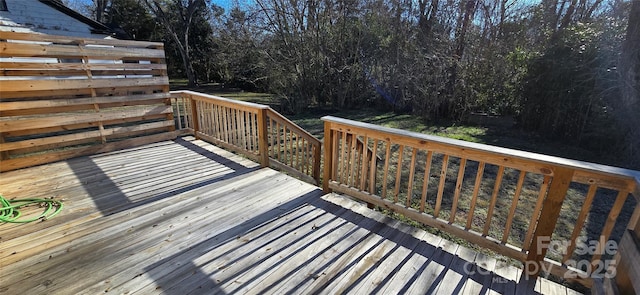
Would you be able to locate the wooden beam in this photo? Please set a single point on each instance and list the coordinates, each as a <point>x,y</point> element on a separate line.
<point>317,155</point>
<point>75,40</point>
<point>328,143</point>
<point>50,50</point>
<point>263,138</point>
<point>26,124</point>
<point>548,220</point>
<point>29,143</point>
<point>10,86</point>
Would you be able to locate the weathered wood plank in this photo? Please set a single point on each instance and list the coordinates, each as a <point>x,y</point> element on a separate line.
<point>10,86</point>
<point>52,103</point>
<point>79,67</point>
<point>322,253</point>
<point>13,164</point>
<point>223,254</point>
<point>94,52</point>
<point>369,261</point>
<point>505,279</point>
<point>123,90</point>
<point>131,73</point>
<point>457,274</point>
<point>80,136</point>
<point>306,243</point>
<point>481,276</point>
<point>74,41</point>
<point>382,273</point>
<point>422,255</point>
<point>37,123</point>
<point>184,234</point>
<point>429,276</point>
<point>336,271</point>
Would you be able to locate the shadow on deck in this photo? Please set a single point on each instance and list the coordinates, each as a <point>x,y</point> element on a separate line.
<point>185,217</point>
<point>109,198</point>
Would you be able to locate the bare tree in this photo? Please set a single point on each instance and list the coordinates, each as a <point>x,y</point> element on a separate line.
<point>100,9</point>
<point>178,30</point>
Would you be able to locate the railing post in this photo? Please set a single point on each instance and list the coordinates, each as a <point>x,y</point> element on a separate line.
<point>263,138</point>
<point>627,274</point>
<point>547,221</point>
<point>317,154</point>
<point>194,116</point>
<point>327,143</point>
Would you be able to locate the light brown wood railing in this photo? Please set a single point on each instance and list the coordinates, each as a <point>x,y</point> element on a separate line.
<point>627,279</point>
<point>253,130</point>
<point>512,202</point>
<point>291,148</point>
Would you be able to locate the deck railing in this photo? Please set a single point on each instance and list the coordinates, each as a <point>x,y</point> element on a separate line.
<point>516,203</point>
<point>253,130</point>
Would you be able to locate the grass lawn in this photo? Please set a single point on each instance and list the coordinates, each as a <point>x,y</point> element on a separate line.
<point>493,135</point>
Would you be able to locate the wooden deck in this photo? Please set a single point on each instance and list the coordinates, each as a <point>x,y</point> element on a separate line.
<point>185,217</point>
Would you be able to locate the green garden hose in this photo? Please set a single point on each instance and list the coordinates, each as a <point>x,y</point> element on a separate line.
<point>9,209</point>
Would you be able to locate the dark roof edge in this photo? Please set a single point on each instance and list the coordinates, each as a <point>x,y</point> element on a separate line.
<point>96,27</point>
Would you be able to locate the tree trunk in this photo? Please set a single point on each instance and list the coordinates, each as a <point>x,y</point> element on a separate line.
<point>629,66</point>
<point>186,17</point>
<point>101,6</point>
<point>468,13</point>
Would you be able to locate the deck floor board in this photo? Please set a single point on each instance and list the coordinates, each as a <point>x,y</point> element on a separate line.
<point>186,217</point>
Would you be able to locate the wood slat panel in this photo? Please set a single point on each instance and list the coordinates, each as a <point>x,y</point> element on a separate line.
<point>83,92</point>
<point>9,86</point>
<point>45,131</point>
<point>16,74</point>
<point>62,66</point>
<point>25,124</point>
<point>46,106</point>
<point>76,40</point>
<point>7,146</point>
<point>52,103</point>
<point>65,51</point>
<point>12,164</point>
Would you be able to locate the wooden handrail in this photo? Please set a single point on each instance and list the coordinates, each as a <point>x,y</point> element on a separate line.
<point>254,130</point>
<point>414,159</point>
<point>608,176</point>
<point>220,100</point>
<point>314,143</point>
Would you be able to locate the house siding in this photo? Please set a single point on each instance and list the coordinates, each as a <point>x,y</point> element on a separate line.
<point>35,16</point>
